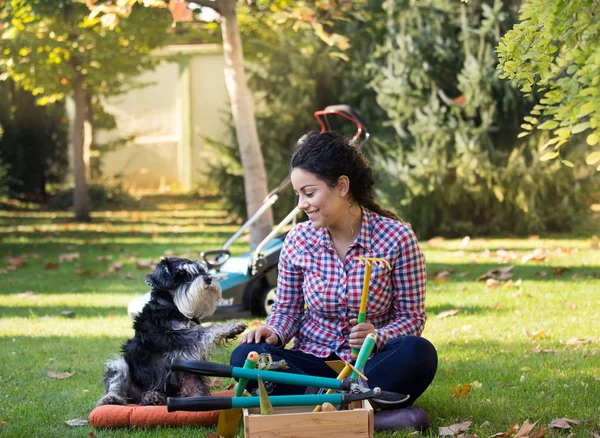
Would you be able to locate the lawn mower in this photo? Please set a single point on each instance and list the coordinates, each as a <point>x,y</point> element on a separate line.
<point>249,281</point>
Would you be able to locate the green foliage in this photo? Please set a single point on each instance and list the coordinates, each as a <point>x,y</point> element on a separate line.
<point>48,44</point>
<point>294,71</point>
<point>555,51</point>
<point>35,142</point>
<point>459,168</point>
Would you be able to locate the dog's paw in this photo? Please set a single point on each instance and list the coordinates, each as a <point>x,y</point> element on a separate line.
<point>237,327</point>
<point>111,399</point>
<point>153,398</point>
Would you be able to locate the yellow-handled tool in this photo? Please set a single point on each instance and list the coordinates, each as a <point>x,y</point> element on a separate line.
<point>364,298</point>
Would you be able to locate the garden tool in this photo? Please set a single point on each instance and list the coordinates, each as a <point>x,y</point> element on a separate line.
<point>364,298</point>
<point>349,391</point>
<point>229,419</point>
<point>361,359</point>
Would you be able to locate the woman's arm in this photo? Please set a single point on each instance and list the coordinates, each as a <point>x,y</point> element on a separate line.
<point>409,279</point>
<point>287,311</point>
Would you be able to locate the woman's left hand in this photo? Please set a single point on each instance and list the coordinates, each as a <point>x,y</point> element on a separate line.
<point>359,332</point>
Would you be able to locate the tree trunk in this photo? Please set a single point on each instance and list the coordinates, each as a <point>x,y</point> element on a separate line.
<point>81,203</point>
<point>255,177</point>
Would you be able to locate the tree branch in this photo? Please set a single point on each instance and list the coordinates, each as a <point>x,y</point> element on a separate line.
<point>215,5</point>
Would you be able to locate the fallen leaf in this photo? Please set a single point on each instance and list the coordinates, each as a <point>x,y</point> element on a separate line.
<point>534,335</point>
<point>68,313</point>
<point>563,423</point>
<point>77,422</point>
<point>143,264</point>
<point>541,274</point>
<point>559,270</point>
<point>68,257</point>
<point>460,391</point>
<point>440,279</point>
<point>525,429</point>
<point>595,243</point>
<point>578,341</point>
<point>435,241</point>
<point>91,435</point>
<point>128,276</point>
<point>84,272</point>
<point>54,375</point>
<point>491,283</point>
<point>104,258</point>
<point>455,429</point>
<point>2,423</point>
<point>447,313</point>
<point>51,265</point>
<point>465,242</point>
<point>511,283</point>
<point>27,294</point>
<point>116,266</point>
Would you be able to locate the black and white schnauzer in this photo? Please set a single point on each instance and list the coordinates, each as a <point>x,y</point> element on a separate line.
<point>169,327</point>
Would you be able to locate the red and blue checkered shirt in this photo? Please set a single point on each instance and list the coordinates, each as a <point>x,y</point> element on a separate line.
<point>318,295</point>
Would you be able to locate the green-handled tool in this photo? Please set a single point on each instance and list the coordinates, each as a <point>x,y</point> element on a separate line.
<point>364,298</point>
<point>220,370</point>
<point>365,351</point>
<point>229,419</point>
<point>210,403</point>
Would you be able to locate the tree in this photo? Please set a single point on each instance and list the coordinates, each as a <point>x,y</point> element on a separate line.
<point>459,168</point>
<point>316,16</point>
<point>53,49</point>
<point>555,52</point>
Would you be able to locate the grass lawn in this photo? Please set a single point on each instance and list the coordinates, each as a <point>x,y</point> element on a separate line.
<point>528,348</point>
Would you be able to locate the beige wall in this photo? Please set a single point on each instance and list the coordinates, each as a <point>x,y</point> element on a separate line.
<point>155,117</point>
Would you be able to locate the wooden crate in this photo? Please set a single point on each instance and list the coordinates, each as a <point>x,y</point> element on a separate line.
<point>301,422</point>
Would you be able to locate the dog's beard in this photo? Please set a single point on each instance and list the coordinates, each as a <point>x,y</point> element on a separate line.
<point>195,299</point>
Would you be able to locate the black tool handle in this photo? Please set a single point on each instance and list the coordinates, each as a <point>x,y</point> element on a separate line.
<point>204,368</point>
<point>198,403</point>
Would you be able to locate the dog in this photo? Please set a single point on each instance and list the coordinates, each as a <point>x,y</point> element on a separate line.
<point>168,327</point>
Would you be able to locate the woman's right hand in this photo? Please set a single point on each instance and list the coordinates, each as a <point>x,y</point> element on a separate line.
<point>257,335</point>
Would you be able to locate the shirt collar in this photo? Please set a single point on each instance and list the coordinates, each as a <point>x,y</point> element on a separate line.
<point>323,238</point>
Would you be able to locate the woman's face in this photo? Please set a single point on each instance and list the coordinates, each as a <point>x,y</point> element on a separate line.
<point>325,206</point>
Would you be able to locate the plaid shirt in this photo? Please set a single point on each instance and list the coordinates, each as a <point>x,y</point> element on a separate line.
<point>317,294</point>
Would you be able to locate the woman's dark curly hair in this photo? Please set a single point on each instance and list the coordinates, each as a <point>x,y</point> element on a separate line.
<point>328,155</point>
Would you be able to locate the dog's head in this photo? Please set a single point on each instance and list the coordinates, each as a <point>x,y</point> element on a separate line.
<point>195,292</point>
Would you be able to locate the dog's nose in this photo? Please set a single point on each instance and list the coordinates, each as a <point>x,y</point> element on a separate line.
<point>207,280</point>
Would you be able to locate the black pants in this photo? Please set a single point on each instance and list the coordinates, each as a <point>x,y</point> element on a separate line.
<point>406,365</point>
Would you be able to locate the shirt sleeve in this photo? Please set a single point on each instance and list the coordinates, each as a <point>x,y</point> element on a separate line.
<point>287,311</point>
<point>409,280</point>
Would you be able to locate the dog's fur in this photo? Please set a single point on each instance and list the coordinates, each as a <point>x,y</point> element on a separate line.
<point>169,327</point>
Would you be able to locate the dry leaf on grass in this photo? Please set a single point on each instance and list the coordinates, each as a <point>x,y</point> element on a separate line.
<point>563,423</point>
<point>541,350</point>
<point>578,341</point>
<point>50,265</point>
<point>595,243</point>
<point>435,241</point>
<point>534,335</point>
<point>491,283</point>
<point>68,313</point>
<point>455,429</point>
<point>460,390</point>
<point>68,257</point>
<point>27,294</point>
<point>60,376</point>
<point>76,422</point>
<point>2,423</point>
<point>447,313</point>
<point>512,430</point>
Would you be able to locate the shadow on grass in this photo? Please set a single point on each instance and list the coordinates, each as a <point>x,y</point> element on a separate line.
<point>79,311</point>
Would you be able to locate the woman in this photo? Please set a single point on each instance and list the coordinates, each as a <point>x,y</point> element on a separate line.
<point>320,281</point>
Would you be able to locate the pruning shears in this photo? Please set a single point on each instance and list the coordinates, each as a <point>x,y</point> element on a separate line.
<point>349,391</point>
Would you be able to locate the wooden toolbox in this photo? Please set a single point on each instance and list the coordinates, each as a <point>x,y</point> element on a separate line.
<point>301,422</point>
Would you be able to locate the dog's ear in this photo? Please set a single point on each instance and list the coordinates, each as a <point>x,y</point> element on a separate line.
<point>161,278</point>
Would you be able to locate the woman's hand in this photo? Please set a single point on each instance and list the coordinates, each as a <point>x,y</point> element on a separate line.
<point>359,332</point>
<point>255,336</point>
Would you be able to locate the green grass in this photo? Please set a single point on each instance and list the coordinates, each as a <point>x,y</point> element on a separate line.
<point>483,344</point>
